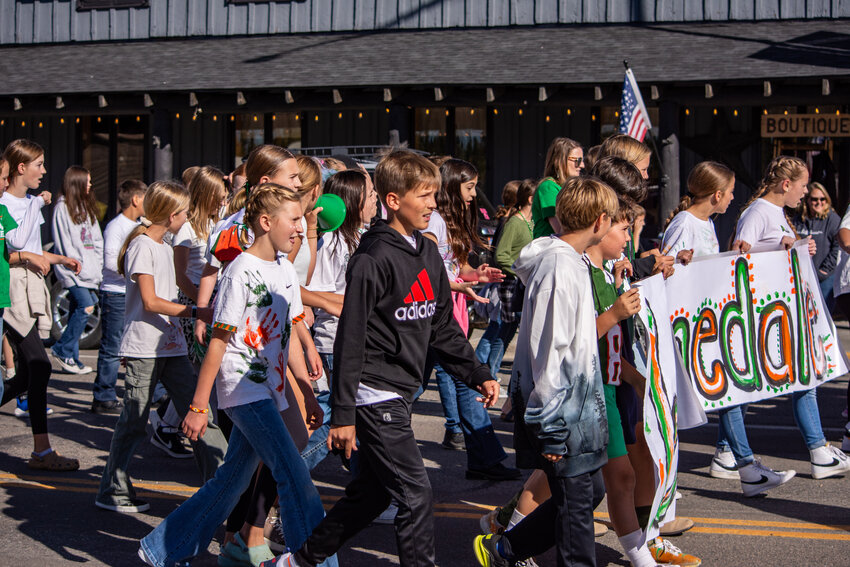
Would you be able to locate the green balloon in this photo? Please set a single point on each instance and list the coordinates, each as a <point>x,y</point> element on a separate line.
<point>332,213</point>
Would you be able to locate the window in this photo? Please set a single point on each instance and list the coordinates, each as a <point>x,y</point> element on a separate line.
<point>113,150</point>
<point>470,138</point>
<point>286,130</point>
<point>250,133</point>
<point>431,130</point>
<point>107,4</point>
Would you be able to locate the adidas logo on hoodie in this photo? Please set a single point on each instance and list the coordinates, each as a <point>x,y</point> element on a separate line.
<point>419,302</point>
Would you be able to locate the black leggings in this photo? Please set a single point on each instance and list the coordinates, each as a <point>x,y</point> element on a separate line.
<point>32,372</point>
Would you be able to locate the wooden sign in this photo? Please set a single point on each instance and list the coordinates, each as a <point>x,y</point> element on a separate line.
<point>805,125</point>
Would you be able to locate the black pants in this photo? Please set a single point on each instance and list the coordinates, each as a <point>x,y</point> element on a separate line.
<point>565,521</point>
<point>391,467</point>
<point>32,372</point>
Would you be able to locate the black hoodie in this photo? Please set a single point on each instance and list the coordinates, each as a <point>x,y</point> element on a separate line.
<point>397,304</point>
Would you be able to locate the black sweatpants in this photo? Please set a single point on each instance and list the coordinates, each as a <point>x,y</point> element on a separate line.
<point>565,521</point>
<point>391,467</point>
<point>32,373</point>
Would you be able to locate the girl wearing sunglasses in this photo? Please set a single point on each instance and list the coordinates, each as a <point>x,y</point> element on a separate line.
<point>818,220</point>
<point>564,159</point>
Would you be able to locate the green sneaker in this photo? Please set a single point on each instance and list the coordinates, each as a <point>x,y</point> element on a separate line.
<point>486,552</point>
<point>237,554</point>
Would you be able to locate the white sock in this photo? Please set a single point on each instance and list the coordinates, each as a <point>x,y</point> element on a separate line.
<point>42,453</point>
<point>636,550</point>
<point>516,518</point>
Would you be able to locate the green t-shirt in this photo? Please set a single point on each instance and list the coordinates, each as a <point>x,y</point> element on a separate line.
<point>610,346</point>
<point>516,234</point>
<point>543,206</point>
<point>7,223</point>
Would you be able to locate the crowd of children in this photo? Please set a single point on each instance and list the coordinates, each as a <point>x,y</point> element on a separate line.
<point>269,340</point>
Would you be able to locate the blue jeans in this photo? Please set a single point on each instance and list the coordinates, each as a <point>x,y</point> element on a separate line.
<point>495,340</point>
<point>826,287</point>
<point>108,361</point>
<point>68,346</point>
<point>317,447</point>
<point>259,434</point>
<point>732,434</point>
<point>483,448</point>
<point>448,399</point>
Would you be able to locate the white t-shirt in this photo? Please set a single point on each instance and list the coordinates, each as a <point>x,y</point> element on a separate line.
<point>437,227</point>
<point>150,335</point>
<point>258,302</point>
<point>763,223</point>
<point>686,232</point>
<point>842,268</point>
<point>302,259</point>
<point>331,262</point>
<point>114,236</point>
<point>187,237</point>
<point>27,213</point>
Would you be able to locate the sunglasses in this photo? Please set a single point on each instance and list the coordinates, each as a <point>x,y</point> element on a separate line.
<point>577,160</point>
<point>817,199</point>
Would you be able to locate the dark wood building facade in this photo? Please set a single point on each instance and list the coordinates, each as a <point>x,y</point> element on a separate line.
<point>146,91</point>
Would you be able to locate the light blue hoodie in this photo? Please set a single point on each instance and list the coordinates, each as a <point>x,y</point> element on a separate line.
<point>556,367</point>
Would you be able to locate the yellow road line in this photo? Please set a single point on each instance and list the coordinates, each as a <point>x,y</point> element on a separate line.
<point>770,533</point>
<point>769,524</point>
<point>463,510</point>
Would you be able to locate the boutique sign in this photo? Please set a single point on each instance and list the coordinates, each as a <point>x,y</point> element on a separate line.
<point>805,125</point>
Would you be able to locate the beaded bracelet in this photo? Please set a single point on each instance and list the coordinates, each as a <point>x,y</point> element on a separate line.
<point>198,410</point>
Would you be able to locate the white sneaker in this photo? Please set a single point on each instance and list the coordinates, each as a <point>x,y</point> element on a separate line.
<point>70,366</point>
<point>835,462</point>
<point>723,465</point>
<point>757,478</point>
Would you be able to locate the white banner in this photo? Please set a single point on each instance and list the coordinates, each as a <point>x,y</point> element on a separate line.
<point>726,330</point>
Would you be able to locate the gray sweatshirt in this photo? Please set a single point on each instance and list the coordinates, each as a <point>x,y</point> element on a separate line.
<point>83,242</point>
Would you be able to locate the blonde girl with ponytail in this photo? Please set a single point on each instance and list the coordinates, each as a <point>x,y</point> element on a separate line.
<point>690,230</point>
<point>153,345</point>
<point>764,221</point>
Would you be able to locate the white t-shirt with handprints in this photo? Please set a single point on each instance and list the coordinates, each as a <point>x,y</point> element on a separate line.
<point>258,301</point>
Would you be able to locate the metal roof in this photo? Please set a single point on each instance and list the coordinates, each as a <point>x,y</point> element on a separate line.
<point>557,55</point>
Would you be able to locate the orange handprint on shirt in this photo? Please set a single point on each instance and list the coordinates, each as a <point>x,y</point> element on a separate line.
<point>281,370</point>
<point>266,331</point>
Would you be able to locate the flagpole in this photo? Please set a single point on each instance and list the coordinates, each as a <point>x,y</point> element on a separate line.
<point>665,179</point>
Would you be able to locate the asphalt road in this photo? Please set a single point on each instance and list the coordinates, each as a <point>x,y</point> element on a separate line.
<point>50,518</point>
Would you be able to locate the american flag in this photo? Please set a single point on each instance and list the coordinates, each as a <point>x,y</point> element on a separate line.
<point>634,119</point>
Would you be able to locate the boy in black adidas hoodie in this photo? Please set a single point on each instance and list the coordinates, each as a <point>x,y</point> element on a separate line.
<point>397,304</point>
